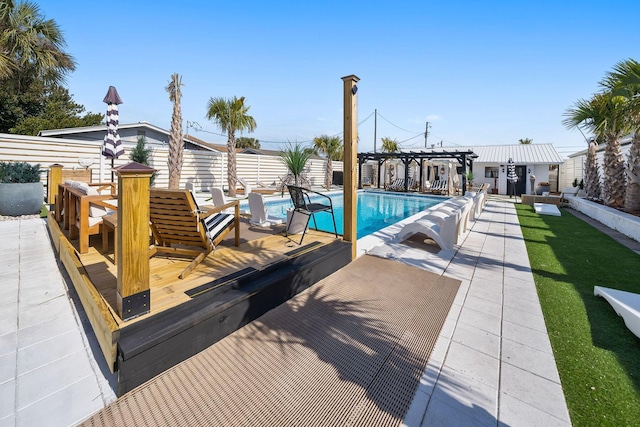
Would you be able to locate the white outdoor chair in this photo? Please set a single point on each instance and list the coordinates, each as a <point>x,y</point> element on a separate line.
<point>218,198</point>
<point>259,215</point>
<point>440,227</point>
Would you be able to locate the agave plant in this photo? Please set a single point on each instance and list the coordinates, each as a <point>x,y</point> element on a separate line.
<point>295,158</point>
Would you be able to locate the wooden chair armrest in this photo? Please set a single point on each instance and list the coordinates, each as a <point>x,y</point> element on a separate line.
<point>218,209</point>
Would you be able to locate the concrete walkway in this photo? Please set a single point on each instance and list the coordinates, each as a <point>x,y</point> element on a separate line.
<point>48,373</point>
<point>493,363</point>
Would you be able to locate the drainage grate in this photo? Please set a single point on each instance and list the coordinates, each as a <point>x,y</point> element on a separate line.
<point>303,249</point>
<point>219,282</point>
<point>348,351</point>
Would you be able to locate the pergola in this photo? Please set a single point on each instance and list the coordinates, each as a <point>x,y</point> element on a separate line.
<point>464,158</point>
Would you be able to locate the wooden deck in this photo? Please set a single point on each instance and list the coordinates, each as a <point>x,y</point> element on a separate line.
<point>239,268</point>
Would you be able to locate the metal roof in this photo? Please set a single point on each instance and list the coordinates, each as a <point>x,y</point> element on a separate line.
<point>529,154</point>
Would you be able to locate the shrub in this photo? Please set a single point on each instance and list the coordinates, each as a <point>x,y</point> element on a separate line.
<point>141,155</point>
<point>19,172</point>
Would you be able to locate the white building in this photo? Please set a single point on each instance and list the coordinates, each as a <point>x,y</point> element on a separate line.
<point>539,160</point>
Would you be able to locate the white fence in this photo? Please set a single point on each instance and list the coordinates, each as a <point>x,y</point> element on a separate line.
<point>204,169</point>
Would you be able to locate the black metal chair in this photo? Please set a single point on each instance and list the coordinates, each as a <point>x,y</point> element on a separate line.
<point>302,204</point>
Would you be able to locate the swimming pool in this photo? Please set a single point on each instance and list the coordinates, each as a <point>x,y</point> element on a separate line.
<point>376,210</point>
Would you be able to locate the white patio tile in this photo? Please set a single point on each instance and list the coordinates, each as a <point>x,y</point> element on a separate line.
<point>7,400</point>
<point>513,300</point>
<point>473,364</point>
<point>528,292</point>
<point>493,295</point>
<point>8,343</point>
<point>540,393</point>
<point>464,398</point>
<point>448,327</point>
<point>44,312</point>
<point>529,359</point>
<point>8,319</point>
<point>46,330</point>
<point>531,321</point>
<point>417,409</point>
<point>477,339</point>
<point>483,305</point>
<point>526,336</point>
<point>7,367</point>
<point>55,410</point>
<point>48,351</point>
<point>60,373</point>
<point>514,412</point>
<point>484,321</point>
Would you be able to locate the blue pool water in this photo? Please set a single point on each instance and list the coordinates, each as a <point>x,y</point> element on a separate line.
<point>376,210</point>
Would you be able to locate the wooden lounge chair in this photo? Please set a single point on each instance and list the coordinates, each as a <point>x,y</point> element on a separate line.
<point>438,186</point>
<point>176,220</point>
<point>397,185</point>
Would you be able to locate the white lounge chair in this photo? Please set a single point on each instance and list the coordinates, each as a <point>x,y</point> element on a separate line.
<point>246,186</point>
<point>625,304</point>
<point>546,209</point>
<point>259,215</point>
<point>463,204</point>
<point>218,198</point>
<point>440,227</point>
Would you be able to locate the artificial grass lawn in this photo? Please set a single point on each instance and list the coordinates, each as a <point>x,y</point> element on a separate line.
<point>598,358</point>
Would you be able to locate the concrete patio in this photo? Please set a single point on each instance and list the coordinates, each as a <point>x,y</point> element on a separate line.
<point>492,365</point>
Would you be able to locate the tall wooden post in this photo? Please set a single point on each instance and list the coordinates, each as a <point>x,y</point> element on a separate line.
<point>350,161</point>
<point>55,178</point>
<point>132,234</point>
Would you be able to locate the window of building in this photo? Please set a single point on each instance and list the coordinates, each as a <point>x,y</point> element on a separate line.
<point>491,172</point>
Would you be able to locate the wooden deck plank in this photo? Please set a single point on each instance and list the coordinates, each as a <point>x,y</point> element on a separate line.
<point>167,290</point>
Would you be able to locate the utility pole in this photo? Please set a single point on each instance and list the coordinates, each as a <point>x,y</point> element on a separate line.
<point>426,134</point>
<point>375,128</point>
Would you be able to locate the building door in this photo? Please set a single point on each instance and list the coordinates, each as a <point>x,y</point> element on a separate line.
<point>521,184</point>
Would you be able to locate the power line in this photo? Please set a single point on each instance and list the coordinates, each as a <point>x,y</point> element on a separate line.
<point>393,124</point>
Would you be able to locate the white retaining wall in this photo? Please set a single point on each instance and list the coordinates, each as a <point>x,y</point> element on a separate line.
<point>625,223</point>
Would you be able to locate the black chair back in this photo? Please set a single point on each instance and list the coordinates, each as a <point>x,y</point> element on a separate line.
<point>297,197</point>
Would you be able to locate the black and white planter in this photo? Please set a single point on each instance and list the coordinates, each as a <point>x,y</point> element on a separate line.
<point>21,199</point>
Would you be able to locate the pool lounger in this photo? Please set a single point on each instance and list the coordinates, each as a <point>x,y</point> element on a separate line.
<point>626,304</point>
<point>546,209</point>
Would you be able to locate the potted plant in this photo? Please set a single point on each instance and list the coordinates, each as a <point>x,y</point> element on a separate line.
<point>543,187</point>
<point>21,191</point>
<point>295,159</point>
<point>494,190</point>
<point>470,177</point>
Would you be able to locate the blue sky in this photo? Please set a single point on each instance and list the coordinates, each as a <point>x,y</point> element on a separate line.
<point>481,73</point>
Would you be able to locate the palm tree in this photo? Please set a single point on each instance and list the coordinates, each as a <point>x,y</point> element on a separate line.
<point>592,173</point>
<point>176,142</point>
<point>390,146</point>
<point>230,115</point>
<point>525,141</point>
<point>331,147</point>
<point>31,45</point>
<point>624,81</point>
<point>245,142</point>
<point>603,115</point>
